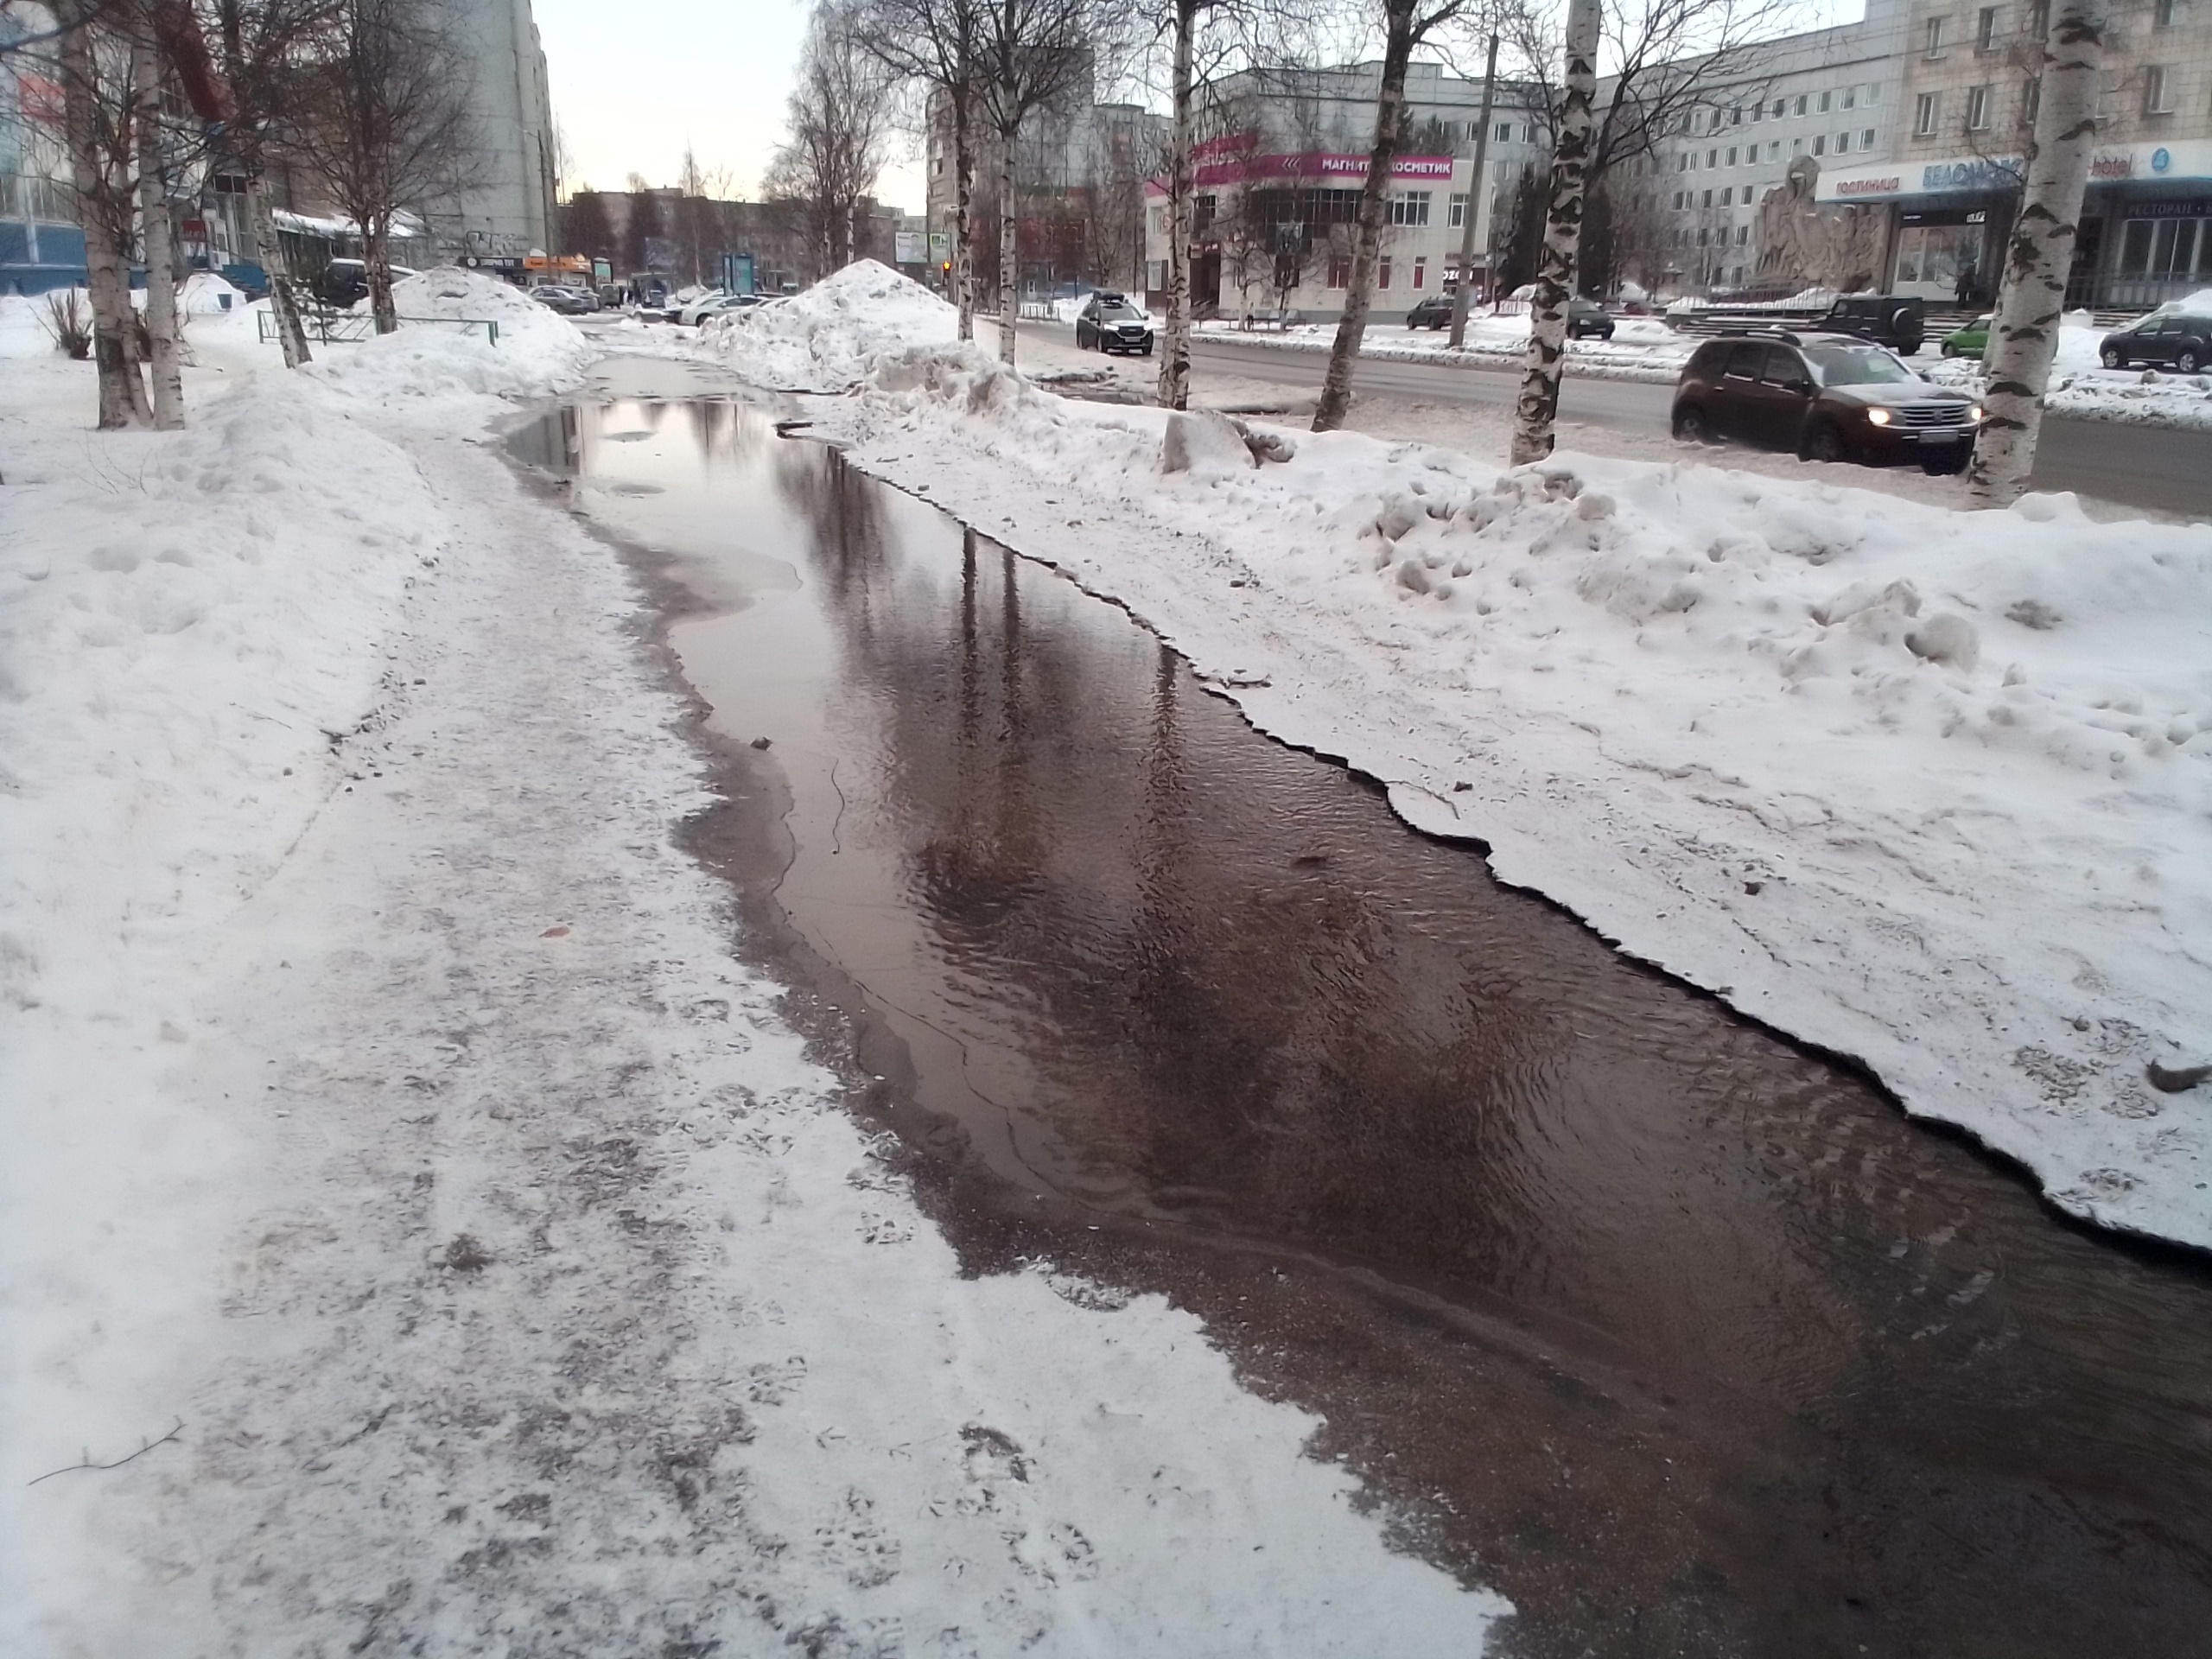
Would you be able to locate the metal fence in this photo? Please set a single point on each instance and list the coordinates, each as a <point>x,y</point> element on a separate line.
<point>339,328</point>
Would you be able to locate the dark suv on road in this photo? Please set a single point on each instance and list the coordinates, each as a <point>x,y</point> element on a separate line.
<point>1583,316</point>
<point>1827,396</point>
<point>2164,338</point>
<point>1109,323</point>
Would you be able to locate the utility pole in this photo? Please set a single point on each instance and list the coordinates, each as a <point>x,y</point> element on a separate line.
<point>1475,194</point>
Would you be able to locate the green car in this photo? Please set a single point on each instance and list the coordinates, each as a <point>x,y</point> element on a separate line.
<point>1971,341</point>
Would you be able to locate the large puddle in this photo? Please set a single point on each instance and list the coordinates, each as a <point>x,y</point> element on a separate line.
<point>1683,1338</point>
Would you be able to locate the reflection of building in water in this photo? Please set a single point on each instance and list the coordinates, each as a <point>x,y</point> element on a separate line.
<point>1953,188</point>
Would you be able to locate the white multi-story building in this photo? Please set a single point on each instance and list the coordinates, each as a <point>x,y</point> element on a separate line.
<point>504,211</point>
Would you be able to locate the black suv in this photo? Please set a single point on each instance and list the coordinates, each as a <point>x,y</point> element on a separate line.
<point>1828,396</point>
<point>1888,320</point>
<point>1110,322</point>
<point>2165,337</point>
<point>1583,316</point>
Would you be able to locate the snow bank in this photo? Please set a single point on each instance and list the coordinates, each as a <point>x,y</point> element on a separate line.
<point>1926,788</point>
<point>1642,348</point>
<point>432,355</point>
<point>2082,388</point>
<point>205,294</point>
<point>836,334</point>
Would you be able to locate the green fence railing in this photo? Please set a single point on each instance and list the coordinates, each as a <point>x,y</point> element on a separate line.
<point>338,327</point>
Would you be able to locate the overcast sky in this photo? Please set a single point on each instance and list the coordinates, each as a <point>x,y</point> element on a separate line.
<point>632,85</point>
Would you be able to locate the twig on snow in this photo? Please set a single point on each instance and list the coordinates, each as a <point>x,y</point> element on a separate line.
<point>175,1433</point>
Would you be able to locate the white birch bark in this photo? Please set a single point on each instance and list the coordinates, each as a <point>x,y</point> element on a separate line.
<point>107,274</point>
<point>1182,184</point>
<point>1009,252</point>
<point>1335,402</point>
<point>284,299</point>
<point>964,187</point>
<point>2039,256</point>
<point>1537,409</point>
<point>156,233</point>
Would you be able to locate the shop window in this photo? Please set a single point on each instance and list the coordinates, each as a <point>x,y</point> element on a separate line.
<point>1421,273</point>
<point>1985,29</point>
<point>1935,37</point>
<point>1937,253</point>
<point>1383,275</point>
<point>1455,215</point>
<point>2158,89</point>
<point>1339,271</point>
<point>1926,112</point>
<point>2162,249</point>
<point>1978,108</point>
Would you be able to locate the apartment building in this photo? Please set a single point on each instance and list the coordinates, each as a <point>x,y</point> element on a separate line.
<point>1950,187</point>
<point>1280,173</point>
<point>1830,96</point>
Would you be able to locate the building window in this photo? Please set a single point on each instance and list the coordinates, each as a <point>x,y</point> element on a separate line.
<point>1202,212</point>
<point>1716,120</point>
<point>1843,143</point>
<point>1820,144</point>
<point>1758,110</point>
<point>1824,99</point>
<point>2030,102</point>
<point>1704,238</point>
<point>1779,104</point>
<point>1866,139</point>
<point>1926,112</point>
<point>2039,19</point>
<point>1732,155</point>
<point>1712,158</point>
<point>1851,98</point>
<point>1504,134</point>
<point>1410,208</point>
<point>2164,248</point>
<point>1681,164</point>
<point>1339,270</point>
<point>1985,29</point>
<point>1801,103</point>
<point>1708,200</point>
<point>1735,117</point>
<point>1682,199</point>
<point>1743,239</point>
<point>1797,146</point>
<point>1451,134</point>
<point>2158,89</point>
<point>1977,108</point>
<point>1934,37</point>
<point>1728,197</point>
<point>1421,273</point>
<point>1383,275</point>
<point>2162,14</point>
<point>1455,215</point>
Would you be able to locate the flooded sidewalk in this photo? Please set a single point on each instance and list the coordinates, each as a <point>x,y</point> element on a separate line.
<point>1680,1337</point>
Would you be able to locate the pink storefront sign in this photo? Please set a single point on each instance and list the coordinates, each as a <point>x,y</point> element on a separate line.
<point>1316,164</point>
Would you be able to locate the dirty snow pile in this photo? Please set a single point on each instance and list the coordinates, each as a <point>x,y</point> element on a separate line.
<point>434,353</point>
<point>1931,789</point>
<point>401,1164</point>
<point>1642,348</point>
<point>836,334</point>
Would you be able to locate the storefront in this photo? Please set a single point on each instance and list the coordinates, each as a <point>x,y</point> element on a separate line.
<point>2143,238</point>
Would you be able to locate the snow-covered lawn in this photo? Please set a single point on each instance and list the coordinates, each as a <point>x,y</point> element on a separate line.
<point>1931,789</point>
<point>1642,348</point>
<point>386,1108</point>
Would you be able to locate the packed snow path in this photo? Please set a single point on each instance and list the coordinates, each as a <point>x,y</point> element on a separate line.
<point>567,1313</point>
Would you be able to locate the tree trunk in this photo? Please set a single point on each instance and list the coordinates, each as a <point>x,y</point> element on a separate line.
<point>1182,184</point>
<point>1476,196</point>
<point>376,250</point>
<point>1537,411</point>
<point>2039,257</point>
<point>158,235</point>
<point>1389,134</point>
<point>963,197</point>
<point>284,300</point>
<point>1009,252</point>
<point>107,276</point>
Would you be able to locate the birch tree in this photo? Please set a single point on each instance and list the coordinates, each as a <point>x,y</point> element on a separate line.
<point>839,122</point>
<point>1035,53</point>
<point>164,347</point>
<point>936,46</point>
<point>1407,24</point>
<point>2039,256</point>
<point>1537,409</point>
<point>1182,186</point>
<point>94,65</point>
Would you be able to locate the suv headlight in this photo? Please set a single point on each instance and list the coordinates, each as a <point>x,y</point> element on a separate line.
<point>1878,416</point>
<point>1973,415</point>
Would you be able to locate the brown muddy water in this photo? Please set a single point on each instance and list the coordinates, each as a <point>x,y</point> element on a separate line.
<point>1680,1335</point>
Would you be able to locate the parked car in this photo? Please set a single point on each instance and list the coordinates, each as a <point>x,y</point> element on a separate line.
<point>723,304</point>
<point>1109,323</point>
<point>687,311</point>
<point>1587,317</point>
<point>2167,339</point>
<point>345,283</point>
<point>1434,312</point>
<point>1827,396</point>
<point>1889,320</point>
<point>568,302</point>
<point>1973,340</point>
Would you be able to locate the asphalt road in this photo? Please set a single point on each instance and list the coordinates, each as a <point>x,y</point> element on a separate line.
<point>2151,467</point>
